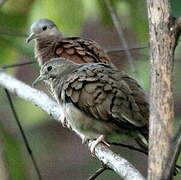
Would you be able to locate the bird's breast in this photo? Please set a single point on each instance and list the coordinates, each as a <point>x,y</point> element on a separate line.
<point>44,51</point>
<point>89,127</point>
<point>78,121</point>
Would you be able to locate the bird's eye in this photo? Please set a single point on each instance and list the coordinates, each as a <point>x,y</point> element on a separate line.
<point>44,28</point>
<point>49,68</point>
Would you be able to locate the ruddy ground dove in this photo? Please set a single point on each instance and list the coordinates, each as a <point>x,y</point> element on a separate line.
<point>99,102</point>
<point>50,42</point>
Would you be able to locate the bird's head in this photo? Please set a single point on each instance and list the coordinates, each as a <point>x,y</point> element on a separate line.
<point>54,70</point>
<point>42,27</point>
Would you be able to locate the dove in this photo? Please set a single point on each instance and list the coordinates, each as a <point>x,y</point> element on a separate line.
<point>100,103</point>
<point>50,42</point>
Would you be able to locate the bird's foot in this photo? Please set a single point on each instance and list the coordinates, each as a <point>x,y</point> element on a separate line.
<point>62,119</point>
<point>100,139</point>
<point>84,140</point>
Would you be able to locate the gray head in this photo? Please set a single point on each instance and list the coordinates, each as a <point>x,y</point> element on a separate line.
<point>42,27</point>
<point>55,69</point>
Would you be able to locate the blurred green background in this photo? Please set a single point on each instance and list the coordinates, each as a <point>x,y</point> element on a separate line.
<point>59,152</point>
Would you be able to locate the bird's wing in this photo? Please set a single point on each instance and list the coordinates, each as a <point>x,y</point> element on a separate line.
<point>81,50</point>
<point>139,95</point>
<point>100,91</point>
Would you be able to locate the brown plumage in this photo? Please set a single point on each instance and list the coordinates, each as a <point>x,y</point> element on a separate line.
<point>98,100</point>
<point>51,43</point>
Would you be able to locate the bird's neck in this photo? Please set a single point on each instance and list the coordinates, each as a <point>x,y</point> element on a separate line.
<point>66,73</point>
<point>44,48</point>
<point>67,70</point>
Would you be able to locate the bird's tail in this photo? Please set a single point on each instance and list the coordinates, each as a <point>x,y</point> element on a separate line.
<point>142,138</point>
<point>142,141</point>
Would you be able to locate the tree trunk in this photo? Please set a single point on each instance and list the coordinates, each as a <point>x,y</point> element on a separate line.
<point>163,39</point>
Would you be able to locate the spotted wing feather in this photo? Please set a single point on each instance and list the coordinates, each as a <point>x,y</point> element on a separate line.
<point>97,91</point>
<point>81,50</point>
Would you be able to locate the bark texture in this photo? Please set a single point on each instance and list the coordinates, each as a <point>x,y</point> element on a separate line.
<point>163,39</point>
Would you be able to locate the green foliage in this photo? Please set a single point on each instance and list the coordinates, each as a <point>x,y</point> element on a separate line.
<point>103,12</point>
<point>13,156</point>
<point>68,14</point>
<point>122,9</point>
<point>27,118</point>
<point>12,20</point>
<point>138,17</point>
<point>176,5</point>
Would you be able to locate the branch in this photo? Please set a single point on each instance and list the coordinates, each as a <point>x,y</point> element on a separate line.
<point>129,147</point>
<point>120,165</point>
<point>163,40</point>
<point>120,32</point>
<point>23,135</point>
<point>97,173</point>
<point>118,49</point>
<point>174,153</point>
<point>178,26</point>
<point>12,32</point>
<point>2,2</point>
<point>18,64</point>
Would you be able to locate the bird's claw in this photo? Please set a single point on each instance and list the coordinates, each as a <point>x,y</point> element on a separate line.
<point>62,119</point>
<point>100,139</point>
<point>84,140</point>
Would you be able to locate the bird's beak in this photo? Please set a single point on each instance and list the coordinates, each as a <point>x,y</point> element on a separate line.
<point>38,79</point>
<point>30,37</point>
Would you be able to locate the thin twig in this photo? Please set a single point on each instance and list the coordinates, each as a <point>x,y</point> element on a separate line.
<point>32,62</point>
<point>18,64</point>
<point>146,152</point>
<point>178,26</point>
<point>12,32</point>
<point>23,135</point>
<point>112,50</point>
<point>97,173</point>
<point>130,147</point>
<point>2,2</point>
<point>174,154</point>
<point>177,141</point>
<point>120,32</point>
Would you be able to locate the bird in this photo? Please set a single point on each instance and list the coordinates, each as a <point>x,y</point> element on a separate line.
<point>100,103</point>
<point>50,42</point>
